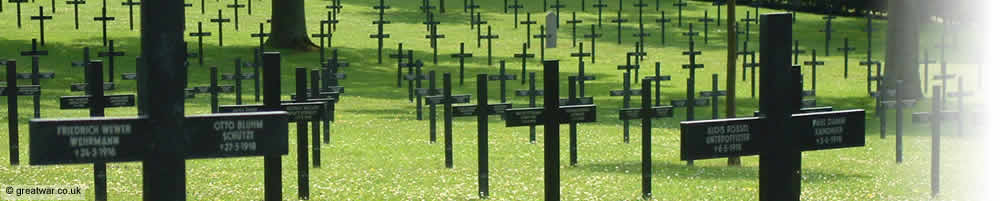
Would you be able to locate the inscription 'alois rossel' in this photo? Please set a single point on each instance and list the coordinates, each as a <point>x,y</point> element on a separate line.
<point>728,138</point>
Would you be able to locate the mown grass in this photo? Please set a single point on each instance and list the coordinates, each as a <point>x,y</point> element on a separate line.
<point>380,152</point>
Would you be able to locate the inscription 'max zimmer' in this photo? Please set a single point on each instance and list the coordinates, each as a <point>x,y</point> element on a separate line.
<point>727,138</point>
<point>237,135</point>
<point>829,131</point>
<point>94,141</point>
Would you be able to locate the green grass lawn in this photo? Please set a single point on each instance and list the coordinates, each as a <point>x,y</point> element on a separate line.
<point>380,152</point>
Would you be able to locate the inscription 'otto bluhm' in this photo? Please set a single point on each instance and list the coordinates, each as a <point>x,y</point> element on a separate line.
<point>238,135</point>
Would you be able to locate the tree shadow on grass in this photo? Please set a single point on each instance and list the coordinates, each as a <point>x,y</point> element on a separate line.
<point>718,172</point>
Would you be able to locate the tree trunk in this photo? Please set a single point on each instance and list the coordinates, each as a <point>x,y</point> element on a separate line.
<point>731,39</point>
<point>288,26</point>
<point>903,48</point>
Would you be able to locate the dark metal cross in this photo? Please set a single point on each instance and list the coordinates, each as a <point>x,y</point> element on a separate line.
<point>753,73</point>
<point>200,34</point>
<point>642,26</point>
<point>815,63</point>
<point>846,49</point>
<point>426,6</point>
<point>471,7</point>
<point>433,35</point>
<point>331,25</point>
<point>528,22</point>
<point>746,26</point>
<point>927,62</point>
<point>593,42</point>
<point>409,65</point>
<point>557,6</point>
<point>581,73</point>
<point>600,5</point>
<point>104,23</point>
<point>706,20</point>
<point>41,17</point>
<point>130,4</point>
<point>532,93</point>
<point>503,77</point>
<point>619,21</point>
<point>399,56</point>
<point>76,11</point>
<point>626,93</point>
<point>260,35</point>
<point>746,52</point>
<point>381,22</point>
<point>541,36</point>
<point>431,90</point>
<point>796,51</point>
<point>323,36</point>
<point>524,60</point>
<point>35,75</point>
<point>489,44</point>
<point>220,21</point>
<point>111,54</point>
<point>638,53</point>
<point>656,78</point>
<point>417,76</point>
<point>680,11</point>
<point>663,27</point>
<point>236,12</point>
<point>828,30</point>
<point>18,2</point>
<point>574,21</point>
<point>691,66</point>
<point>517,6</point>
<point>479,29</point>
<point>718,11</point>
<point>461,55</point>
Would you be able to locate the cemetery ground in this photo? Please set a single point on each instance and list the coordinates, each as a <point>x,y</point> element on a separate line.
<point>379,151</point>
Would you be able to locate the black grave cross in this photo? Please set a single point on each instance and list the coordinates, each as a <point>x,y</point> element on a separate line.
<point>600,5</point>
<point>573,100</point>
<point>593,35</point>
<point>558,5</point>
<point>489,44</point>
<point>323,36</point>
<point>527,23</point>
<point>846,49</point>
<point>416,77</point>
<point>35,76</point>
<point>706,20</point>
<point>532,93</point>
<point>753,73</point>
<point>104,23</point>
<point>517,6</point>
<point>41,17</point>
<point>447,99</point>
<point>626,93</point>
<point>581,76</point>
<point>629,66</point>
<point>236,12</point>
<point>657,78</point>
<point>111,54</point>
<point>200,35</point>
<point>755,4</point>
<point>642,26</point>
<point>472,6</point>
<point>746,52</point>
<point>718,11</point>
<point>399,56</point>
<point>680,12</point>
<point>429,21</point>
<point>944,76</point>
<point>131,10</point>
<point>503,77</point>
<point>828,30</point>
<point>331,24</point>
<point>638,53</point>
<point>237,77</point>
<point>780,135</point>
<point>461,55</point>
<point>541,36</point>
<point>796,51</point>
<point>646,112</point>
<point>431,90</point>
<point>927,62</point>
<point>219,20</point>
<point>935,117</point>
<point>714,94</point>
<point>426,6</point>
<point>746,25</point>
<point>482,110</point>
<point>815,63</point>
<point>524,60</point>
<point>409,65</point>
<point>619,21</point>
<point>434,36</point>
<point>380,34</point>
<point>551,115</point>
<point>12,91</point>
<point>18,2</point>
<point>260,35</point>
<point>479,22</point>
<point>76,11</point>
<point>573,22</point>
<point>214,89</point>
<point>663,27</point>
